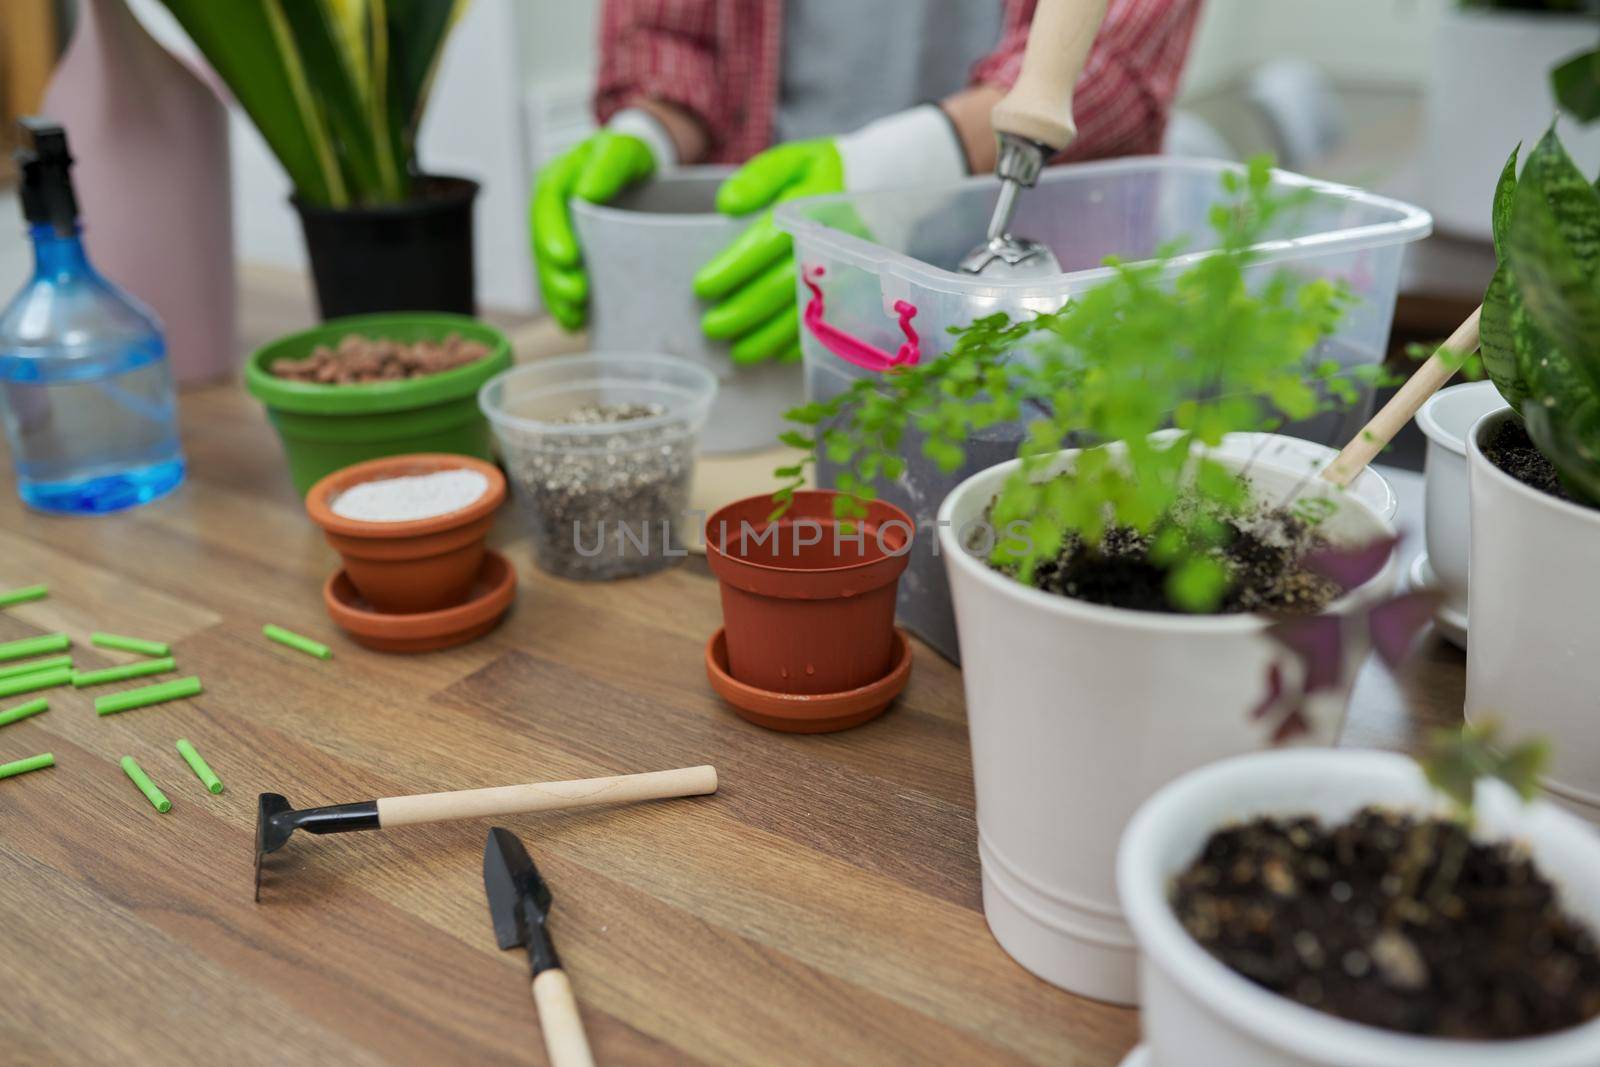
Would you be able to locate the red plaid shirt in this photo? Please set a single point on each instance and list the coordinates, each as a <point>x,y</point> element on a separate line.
<point>718,59</point>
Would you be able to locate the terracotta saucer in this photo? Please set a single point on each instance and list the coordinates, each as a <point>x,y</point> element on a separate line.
<point>492,592</point>
<point>799,713</point>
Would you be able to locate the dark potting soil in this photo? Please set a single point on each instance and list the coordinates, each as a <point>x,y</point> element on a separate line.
<point>1513,451</point>
<point>1263,555</point>
<point>358,358</point>
<point>1397,922</point>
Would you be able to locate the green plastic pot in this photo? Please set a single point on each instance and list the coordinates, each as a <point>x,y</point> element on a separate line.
<point>327,427</point>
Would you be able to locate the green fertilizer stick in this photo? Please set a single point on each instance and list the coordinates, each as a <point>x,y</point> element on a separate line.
<point>48,678</point>
<point>129,644</point>
<point>23,595</point>
<point>35,646</point>
<point>22,711</point>
<point>146,695</point>
<point>156,797</point>
<point>124,672</point>
<point>23,766</point>
<point>294,640</point>
<point>197,764</point>
<point>35,665</point>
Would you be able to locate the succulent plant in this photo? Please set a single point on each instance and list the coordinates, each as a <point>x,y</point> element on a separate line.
<point>1541,313</point>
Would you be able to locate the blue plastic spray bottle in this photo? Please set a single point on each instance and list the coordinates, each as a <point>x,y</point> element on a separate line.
<point>85,391</point>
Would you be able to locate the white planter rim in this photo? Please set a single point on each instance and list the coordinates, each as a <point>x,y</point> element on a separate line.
<point>1277,1020</point>
<point>1104,615</point>
<point>1533,497</point>
<point>690,175</point>
<point>1428,420</point>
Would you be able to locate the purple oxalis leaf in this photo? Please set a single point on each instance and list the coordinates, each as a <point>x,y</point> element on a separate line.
<point>1394,624</point>
<point>1317,641</point>
<point>1274,692</point>
<point>1351,567</point>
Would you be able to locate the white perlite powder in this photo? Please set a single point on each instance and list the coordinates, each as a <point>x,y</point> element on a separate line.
<point>416,496</point>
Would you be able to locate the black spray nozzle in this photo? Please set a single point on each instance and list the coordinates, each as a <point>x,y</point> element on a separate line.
<point>44,160</point>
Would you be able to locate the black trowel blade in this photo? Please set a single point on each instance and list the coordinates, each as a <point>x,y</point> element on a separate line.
<point>517,895</point>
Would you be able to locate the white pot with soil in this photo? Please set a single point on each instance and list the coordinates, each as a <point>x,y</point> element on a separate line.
<point>1199,1010</point>
<point>1534,659</point>
<point>1078,712</point>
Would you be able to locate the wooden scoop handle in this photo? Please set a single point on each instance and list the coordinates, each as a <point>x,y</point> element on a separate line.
<point>564,1038</point>
<point>1039,106</point>
<point>546,796</point>
<point>1403,406</point>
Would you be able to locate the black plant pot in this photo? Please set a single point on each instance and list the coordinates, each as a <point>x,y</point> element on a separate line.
<point>413,256</point>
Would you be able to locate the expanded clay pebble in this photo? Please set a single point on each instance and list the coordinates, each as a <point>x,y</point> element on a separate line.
<point>410,497</point>
<point>23,595</point>
<point>604,505</point>
<point>156,797</point>
<point>359,358</point>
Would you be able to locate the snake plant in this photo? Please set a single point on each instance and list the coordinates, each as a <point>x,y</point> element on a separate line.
<point>1541,314</point>
<point>336,87</point>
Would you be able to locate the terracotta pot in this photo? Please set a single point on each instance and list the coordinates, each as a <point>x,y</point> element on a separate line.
<point>808,608</point>
<point>415,566</point>
<point>493,590</point>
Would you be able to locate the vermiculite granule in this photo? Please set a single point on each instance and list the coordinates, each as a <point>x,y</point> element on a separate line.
<point>413,496</point>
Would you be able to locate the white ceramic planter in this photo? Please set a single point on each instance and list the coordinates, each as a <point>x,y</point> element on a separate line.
<point>1079,712</point>
<point>1534,659</point>
<point>1446,419</point>
<point>1197,1011</point>
<point>641,251</point>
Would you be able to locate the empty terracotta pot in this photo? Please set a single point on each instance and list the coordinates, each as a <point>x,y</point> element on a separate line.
<point>808,607</point>
<point>416,565</point>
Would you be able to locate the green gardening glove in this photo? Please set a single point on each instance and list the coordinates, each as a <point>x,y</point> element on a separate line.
<point>752,280</point>
<point>596,170</point>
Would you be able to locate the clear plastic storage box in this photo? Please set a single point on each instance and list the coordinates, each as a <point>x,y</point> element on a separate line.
<point>867,303</point>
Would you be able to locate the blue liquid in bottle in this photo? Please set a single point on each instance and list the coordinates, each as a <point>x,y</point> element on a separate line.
<point>85,390</point>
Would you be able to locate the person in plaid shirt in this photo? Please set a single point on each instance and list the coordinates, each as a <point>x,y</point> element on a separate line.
<point>775,85</point>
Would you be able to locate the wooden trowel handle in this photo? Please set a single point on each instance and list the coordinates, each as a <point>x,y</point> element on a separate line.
<point>1404,405</point>
<point>546,796</point>
<point>564,1038</point>
<point>1039,106</point>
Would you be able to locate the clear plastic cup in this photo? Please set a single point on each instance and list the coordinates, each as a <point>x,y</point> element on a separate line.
<point>599,450</point>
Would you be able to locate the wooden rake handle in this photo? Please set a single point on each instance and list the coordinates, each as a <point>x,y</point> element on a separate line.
<point>1403,406</point>
<point>546,796</point>
<point>564,1038</point>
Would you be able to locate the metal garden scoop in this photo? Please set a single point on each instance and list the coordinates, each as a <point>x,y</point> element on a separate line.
<point>519,904</point>
<point>276,820</point>
<point>1033,123</point>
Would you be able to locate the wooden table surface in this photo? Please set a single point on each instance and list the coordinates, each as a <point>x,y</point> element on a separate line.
<point>823,907</point>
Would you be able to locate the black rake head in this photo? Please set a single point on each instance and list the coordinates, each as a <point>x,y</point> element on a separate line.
<point>276,820</point>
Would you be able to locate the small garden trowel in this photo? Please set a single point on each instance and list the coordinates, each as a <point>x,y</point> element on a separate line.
<point>1034,122</point>
<point>519,904</point>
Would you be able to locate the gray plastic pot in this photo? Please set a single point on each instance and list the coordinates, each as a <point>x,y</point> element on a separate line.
<point>641,251</point>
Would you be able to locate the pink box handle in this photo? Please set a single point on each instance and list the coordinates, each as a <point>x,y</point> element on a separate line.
<point>853,349</point>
